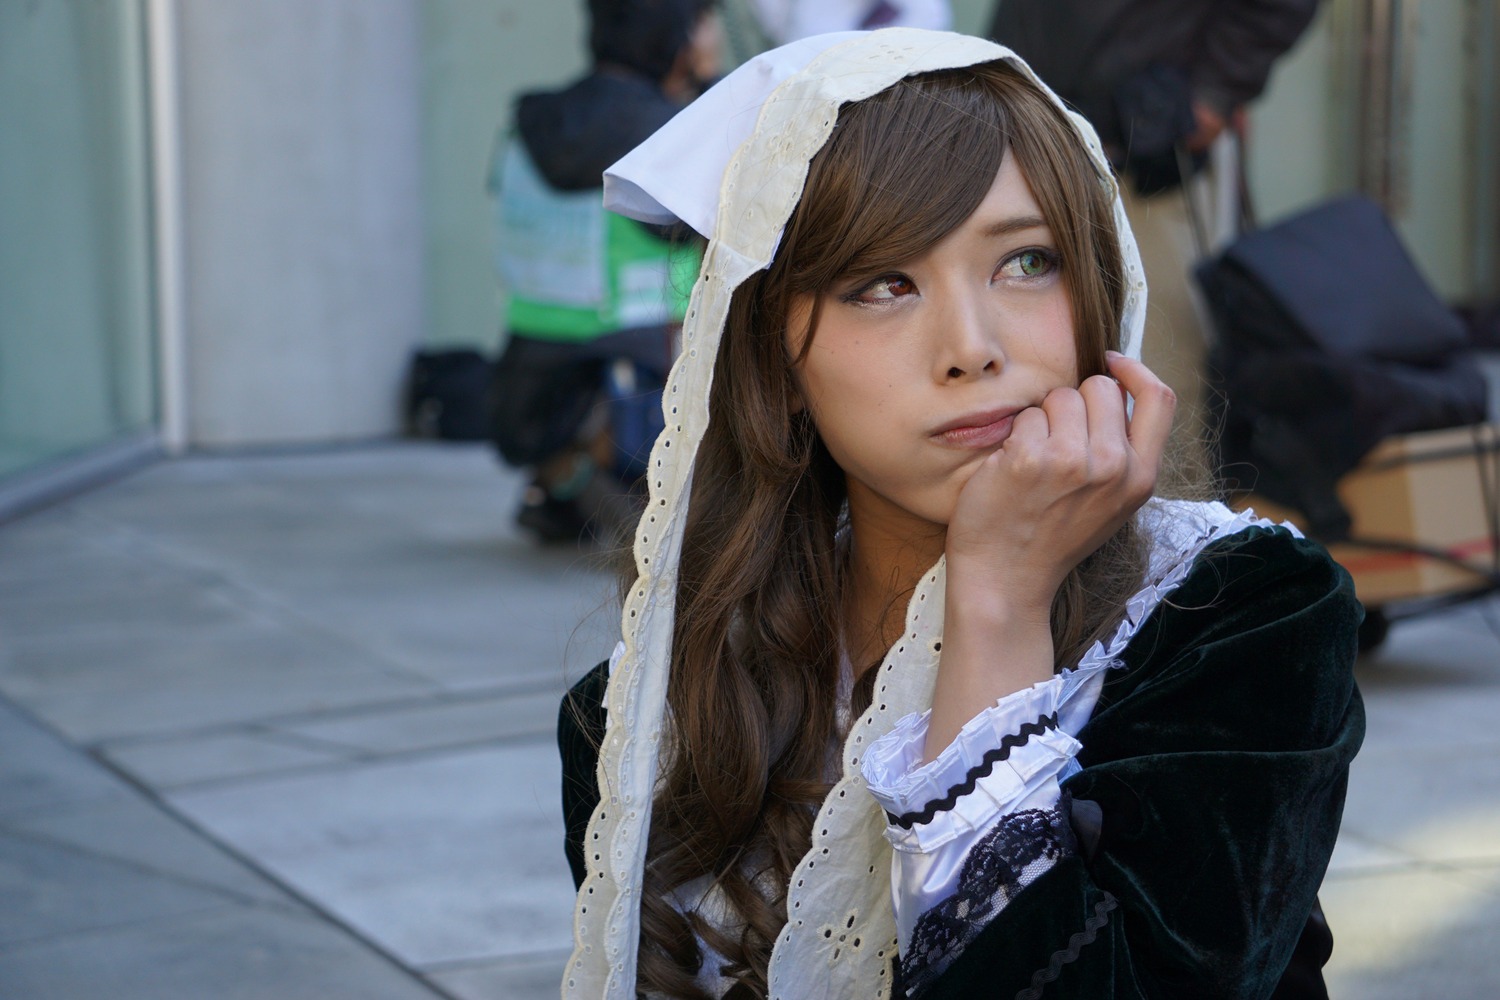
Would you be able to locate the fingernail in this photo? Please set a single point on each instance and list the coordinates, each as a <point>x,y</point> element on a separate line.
<point>1113,354</point>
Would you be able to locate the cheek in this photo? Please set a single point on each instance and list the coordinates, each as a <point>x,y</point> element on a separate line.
<point>1057,343</point>
<point>845,404</point>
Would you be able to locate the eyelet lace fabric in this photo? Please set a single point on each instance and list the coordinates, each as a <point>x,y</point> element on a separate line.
<point>840,934</point>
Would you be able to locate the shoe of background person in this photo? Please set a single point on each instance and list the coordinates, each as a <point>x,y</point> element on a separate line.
<point>550,520</point>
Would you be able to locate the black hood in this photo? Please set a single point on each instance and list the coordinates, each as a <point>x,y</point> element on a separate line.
<point>575,133</point>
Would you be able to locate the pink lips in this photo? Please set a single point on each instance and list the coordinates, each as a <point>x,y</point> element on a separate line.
<point>977,430</point>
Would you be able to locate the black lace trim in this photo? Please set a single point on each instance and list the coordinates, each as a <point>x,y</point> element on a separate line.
<point>1007,859</point>
<point>981,770</point>
<point>1076,944</point>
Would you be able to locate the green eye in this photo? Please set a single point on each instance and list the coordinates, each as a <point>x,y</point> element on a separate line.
<point>1036,263</point>
<point>1032,263</point>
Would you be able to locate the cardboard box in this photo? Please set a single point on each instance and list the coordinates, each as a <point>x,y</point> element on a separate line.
<point>1436,490</point>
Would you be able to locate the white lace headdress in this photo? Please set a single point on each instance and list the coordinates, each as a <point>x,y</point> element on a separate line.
<point>732,166</point>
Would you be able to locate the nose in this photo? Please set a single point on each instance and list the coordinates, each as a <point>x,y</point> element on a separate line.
<point>968,342</point>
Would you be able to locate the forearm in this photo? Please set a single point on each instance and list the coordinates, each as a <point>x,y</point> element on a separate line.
<point>974,827</point>
<point>993,646</point>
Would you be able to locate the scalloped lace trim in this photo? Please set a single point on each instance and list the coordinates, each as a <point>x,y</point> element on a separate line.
<point>893,766</point>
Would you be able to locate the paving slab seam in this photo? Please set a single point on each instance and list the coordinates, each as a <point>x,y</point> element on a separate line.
<point>314,907</point>
<point>8,815</point>
<point>358,710</point>
<point>302,741</point>
<point>42,940</point>
<point>1380,869</point>
<point>364,759</point>
<point>558,955</point>
<point>1470,866</point>
<point>260,729</point>
<point>164,875</point>
<point>262,600</point>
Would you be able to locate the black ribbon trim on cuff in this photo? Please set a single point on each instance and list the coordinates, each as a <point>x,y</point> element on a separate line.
<point>981,770</point>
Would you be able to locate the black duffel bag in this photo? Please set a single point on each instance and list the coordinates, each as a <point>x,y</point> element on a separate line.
<point>1329,341</point>
<point>447,394</point>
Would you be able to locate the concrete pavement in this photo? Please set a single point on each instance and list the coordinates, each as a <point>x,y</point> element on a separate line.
<point>280,726</point>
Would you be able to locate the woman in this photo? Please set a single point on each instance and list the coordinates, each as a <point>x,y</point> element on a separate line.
<point>1089,744</point>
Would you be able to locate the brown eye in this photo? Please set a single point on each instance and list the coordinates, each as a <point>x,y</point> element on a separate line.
<point>892,286</point>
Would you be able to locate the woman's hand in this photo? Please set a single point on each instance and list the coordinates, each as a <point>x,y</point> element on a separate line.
<point>1070,474</point>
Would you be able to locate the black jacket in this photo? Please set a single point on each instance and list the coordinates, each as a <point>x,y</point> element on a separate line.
<point>573,134</point>
<point>1085,49</point>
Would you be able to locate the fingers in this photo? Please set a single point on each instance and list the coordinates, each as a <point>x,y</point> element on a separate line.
<point>1086,441</point>
<point>1105,400</point>
<point>1067,421</point>
<point>1151,423</point>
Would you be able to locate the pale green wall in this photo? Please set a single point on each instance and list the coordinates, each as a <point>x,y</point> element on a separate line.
<point>1297,146</point>
<point>478,55</point>
<point>1436,212</point>
<point>972,17</point>
<point>75,309</point>
<point>1303,133</point>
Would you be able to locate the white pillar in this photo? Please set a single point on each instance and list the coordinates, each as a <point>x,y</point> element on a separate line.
<point>301,198</point>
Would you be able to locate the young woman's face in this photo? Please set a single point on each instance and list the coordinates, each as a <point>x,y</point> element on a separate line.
<point>915,374</point>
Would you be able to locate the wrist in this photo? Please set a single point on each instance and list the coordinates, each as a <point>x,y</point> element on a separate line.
<point>990,650</point>
<point>1013,598</point>
<point>998,617</point>
<point>1020,631</point>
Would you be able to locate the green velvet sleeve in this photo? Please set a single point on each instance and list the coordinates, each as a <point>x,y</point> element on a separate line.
<point>1217,758</point>
<point>580,731</point>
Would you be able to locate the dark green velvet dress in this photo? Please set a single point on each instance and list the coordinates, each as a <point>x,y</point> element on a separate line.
<point>1213,775</point>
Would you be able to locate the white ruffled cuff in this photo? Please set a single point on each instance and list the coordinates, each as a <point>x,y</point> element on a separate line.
<point>1004,759</point>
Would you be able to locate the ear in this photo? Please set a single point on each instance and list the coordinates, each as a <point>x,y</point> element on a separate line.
<point>795,398</point>
<point>795,341</point>
<point>795,402</point>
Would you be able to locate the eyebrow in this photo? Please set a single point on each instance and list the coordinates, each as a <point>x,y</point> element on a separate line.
<point>1015,225</point>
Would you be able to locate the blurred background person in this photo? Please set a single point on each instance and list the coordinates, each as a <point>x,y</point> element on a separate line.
<point>1163,82</point>
<point>784,21</point>
<point>594,298</point>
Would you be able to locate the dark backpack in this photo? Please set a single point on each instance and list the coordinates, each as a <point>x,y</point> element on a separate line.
<point>447,395</point>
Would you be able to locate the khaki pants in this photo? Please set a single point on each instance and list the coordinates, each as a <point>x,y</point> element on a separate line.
<point>1178,329</point>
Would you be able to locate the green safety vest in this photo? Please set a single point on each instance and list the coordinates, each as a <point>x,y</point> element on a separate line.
<point>572,270</point>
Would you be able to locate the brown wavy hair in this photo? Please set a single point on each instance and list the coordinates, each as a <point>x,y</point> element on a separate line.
<point>752,732</point>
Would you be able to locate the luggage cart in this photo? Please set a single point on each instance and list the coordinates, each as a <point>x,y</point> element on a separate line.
<point>1424,524</point>
<point>1351,402</point>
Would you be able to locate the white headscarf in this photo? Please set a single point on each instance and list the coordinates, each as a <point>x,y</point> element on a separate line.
<point>732,165</point>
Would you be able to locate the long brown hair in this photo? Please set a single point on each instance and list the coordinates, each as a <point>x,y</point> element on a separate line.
<point>755,656</point>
